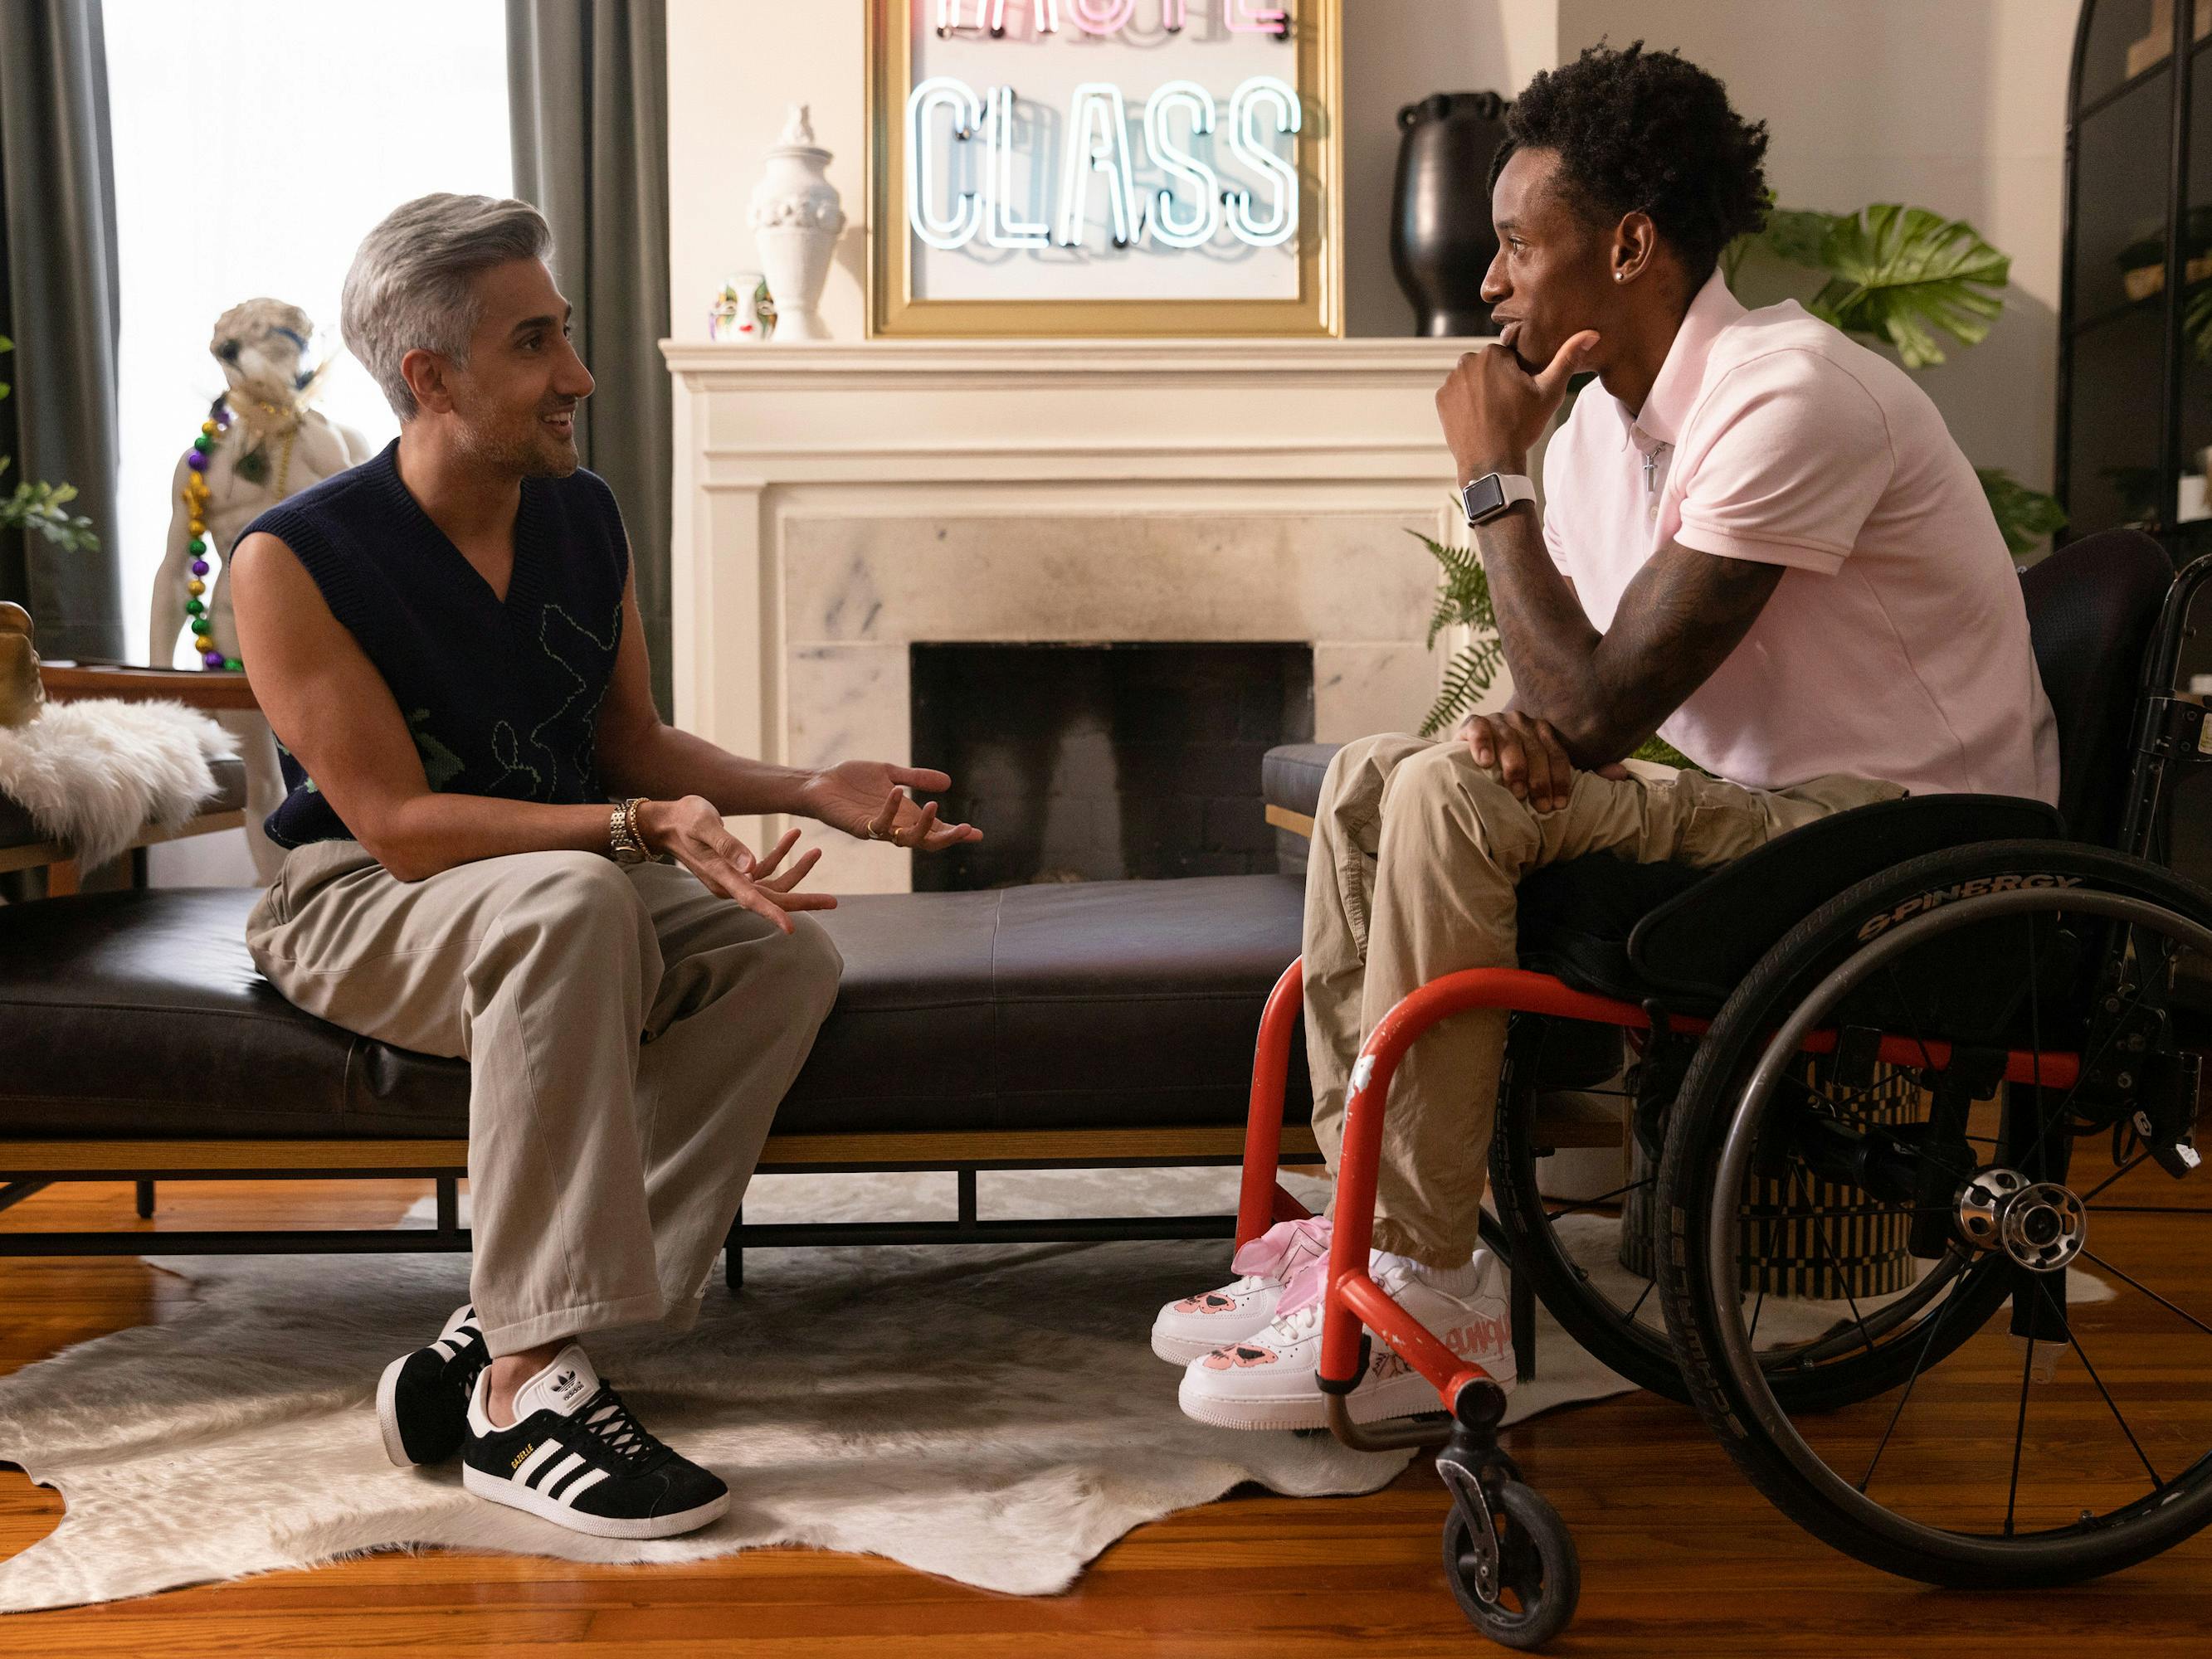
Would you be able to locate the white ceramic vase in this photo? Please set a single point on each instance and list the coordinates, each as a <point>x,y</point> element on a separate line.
<point>797,218</point>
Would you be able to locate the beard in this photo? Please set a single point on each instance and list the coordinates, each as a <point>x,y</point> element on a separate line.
<point>521,447</point>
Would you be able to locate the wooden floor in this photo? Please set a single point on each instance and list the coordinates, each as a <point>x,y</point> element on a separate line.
<point>1680,1556</point>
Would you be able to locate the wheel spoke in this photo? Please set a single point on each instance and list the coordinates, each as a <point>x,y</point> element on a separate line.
<point>2115,1175</point>
<point>2020,1430</point>
<point>2086,1070</point>
<point>1639,1308</point>
<point>1912,1379</point>
<point>2181,1313</point>
<point>2157,1480</point>
<point>1927,1060</point>
<point>1836,1267</point>
<point>1603,1198</point>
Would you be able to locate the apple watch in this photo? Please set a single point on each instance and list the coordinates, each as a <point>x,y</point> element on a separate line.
<point>1493,495</point>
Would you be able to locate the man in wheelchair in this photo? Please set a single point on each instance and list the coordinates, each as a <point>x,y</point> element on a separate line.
<point>1756,539</point>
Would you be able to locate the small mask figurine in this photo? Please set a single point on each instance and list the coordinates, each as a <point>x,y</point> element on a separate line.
<point>22,696</point>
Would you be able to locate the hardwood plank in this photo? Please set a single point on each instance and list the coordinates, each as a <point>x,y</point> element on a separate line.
<point>1681,1556</point>
<point>1296,823</point>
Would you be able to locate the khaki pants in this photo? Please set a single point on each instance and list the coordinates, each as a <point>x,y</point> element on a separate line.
<point>629,1033</point>
<point>1416,853</point>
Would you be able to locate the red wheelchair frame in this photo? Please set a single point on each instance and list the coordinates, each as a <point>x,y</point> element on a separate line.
<point>1353,1297</point>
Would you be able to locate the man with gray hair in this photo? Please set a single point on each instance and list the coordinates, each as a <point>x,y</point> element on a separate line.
<point>498,851</point>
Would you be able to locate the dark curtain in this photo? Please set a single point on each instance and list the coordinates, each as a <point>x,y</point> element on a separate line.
<point>587,91</point>
<point>59,302</point>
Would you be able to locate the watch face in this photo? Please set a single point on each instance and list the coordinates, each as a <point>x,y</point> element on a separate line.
<point>1483,497</point>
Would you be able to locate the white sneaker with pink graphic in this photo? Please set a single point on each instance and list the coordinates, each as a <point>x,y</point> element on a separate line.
<point>1267,1381</point>
<point>1194,1327</point>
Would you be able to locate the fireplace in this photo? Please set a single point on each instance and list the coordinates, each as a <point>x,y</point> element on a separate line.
<point>846,510</point>
<point>1098,763</point>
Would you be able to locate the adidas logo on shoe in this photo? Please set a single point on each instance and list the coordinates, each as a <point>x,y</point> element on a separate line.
<point>576,1456</point>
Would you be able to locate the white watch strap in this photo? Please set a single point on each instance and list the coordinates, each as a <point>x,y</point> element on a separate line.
<point>1513,489</point>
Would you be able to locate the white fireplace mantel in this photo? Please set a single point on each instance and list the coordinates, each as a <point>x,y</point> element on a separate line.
<point>836,503</point>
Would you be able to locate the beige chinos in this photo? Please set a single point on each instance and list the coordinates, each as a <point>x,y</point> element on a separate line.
<point>629,1035</point>
<point>1417,851</point>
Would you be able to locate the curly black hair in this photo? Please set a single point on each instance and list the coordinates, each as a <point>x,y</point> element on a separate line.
<point>1648,131</point>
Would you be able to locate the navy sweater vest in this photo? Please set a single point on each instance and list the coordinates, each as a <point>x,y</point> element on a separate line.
<point>501,698</point>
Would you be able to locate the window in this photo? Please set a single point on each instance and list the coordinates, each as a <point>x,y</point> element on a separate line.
<point>256,142</point>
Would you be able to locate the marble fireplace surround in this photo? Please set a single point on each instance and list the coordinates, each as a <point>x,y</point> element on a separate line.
<point>836,503</point>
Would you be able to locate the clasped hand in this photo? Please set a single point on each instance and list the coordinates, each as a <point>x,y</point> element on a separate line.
<point>1527,754</point>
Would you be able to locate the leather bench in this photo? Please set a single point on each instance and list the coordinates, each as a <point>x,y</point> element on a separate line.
<point>1098,1025</point>
<point>1132,1005</point>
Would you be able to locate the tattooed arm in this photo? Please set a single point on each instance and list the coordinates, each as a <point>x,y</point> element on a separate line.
<point>1605,693</point>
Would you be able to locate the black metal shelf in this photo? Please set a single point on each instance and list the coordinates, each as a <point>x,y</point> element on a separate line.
<point>2105,100</point>
<point>2120,394</point>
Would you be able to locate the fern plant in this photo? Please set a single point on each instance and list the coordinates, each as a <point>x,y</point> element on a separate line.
<point>1462,601</point>
<point>44,506</point>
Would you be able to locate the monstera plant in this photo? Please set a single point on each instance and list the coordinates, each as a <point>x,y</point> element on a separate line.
<point>44,506</point>
<point>1907,277</point>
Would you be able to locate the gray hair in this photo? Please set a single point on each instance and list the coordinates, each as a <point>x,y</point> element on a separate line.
<point>410,287</point>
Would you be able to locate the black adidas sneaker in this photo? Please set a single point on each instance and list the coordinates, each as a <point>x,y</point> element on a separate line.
<point>577,1457</point>
<point>422,1398</point>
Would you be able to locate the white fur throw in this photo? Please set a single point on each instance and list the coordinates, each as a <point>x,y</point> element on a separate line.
<point>93,773</point>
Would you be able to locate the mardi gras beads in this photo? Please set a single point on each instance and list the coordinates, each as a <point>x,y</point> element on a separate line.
<point>196,501</point>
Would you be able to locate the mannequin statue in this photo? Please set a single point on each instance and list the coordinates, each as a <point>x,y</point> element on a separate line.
<point>260,443</point>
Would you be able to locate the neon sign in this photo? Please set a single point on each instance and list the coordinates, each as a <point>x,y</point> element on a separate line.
<point>1259,124</point>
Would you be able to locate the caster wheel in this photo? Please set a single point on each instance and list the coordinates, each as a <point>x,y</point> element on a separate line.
<point>1541,1575</point>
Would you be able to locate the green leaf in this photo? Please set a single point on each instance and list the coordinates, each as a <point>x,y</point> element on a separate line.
<point>1464,598</point>
<point>2025,517</point>
<point>1462,601</point>
<point>40,506</point>
<point>1468,677</point>
<point>1798,236</point>
<point>1660,752</point>
<point>1903,273</point>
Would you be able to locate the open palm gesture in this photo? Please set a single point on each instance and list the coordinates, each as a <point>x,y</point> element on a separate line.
<point>868,799</point>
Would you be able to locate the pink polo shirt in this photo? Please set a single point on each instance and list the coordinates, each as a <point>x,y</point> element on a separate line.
<point>1895,645</point>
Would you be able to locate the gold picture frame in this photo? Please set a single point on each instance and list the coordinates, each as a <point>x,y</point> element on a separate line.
<point>894,312</point>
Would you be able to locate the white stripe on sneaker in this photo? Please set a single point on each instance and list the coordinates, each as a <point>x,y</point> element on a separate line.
<point>567,1466</point>
<point>582,1484</point>
<point>537,1461</point>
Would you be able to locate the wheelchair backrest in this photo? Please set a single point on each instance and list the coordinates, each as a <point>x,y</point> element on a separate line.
<point>2091,608</point>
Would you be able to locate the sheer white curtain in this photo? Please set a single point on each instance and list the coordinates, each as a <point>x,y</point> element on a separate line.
<point>256,142</point>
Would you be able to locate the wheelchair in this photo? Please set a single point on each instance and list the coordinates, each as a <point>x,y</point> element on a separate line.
<point>1910,1090</point>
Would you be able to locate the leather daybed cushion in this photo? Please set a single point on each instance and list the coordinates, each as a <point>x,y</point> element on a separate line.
<point>1291,775</point>
<point>1105,1005</point>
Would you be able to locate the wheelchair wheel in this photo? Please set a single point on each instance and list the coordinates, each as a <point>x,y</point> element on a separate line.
<point>2037,1417</point>
<point>1570,1251</point>
<point>1539,1574</point>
